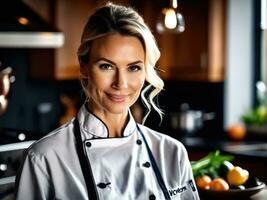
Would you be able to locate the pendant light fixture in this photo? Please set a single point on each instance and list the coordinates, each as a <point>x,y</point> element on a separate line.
<point>170,20</point>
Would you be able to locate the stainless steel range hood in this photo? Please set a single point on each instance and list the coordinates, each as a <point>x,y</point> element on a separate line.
<point>20,27</point>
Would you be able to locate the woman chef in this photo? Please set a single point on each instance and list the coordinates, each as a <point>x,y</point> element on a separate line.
<point>103,153</point>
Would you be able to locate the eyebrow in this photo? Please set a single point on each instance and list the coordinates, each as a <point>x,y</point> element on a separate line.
<point>107,60</point>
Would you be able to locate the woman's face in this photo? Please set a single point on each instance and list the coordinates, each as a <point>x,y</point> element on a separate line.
<point>116,73</point>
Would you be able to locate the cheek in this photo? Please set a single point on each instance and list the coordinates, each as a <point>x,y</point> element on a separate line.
<point>138,83</point>
<point>97,81</point>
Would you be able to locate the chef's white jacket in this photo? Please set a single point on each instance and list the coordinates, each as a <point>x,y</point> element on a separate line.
<point>121,166</point>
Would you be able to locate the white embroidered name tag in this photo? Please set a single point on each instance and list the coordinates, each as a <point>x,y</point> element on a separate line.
<point>182,189</point>
<point>178,190</point>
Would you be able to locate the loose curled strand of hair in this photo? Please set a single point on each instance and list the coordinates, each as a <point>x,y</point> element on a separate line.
<point>149,102</point>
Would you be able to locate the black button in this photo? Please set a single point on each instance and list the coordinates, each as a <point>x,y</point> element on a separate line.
<point>103,185</point>
<point>88,144</point>
<point>146,164</point>
<point>139,142</point>
<point>152,197</point>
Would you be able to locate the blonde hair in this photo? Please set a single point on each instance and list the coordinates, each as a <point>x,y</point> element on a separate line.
<point>113,18</point>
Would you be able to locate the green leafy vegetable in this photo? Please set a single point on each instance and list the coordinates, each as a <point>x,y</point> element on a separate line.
<point>256,117</point>
<point>210,164</point>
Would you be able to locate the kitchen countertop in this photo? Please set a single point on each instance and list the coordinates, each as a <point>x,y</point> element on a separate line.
<point>248,148</point>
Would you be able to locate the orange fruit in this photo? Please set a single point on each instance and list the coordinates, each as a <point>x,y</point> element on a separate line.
<point>203,181</point>
<point>237,176</point>
<point>219,184</point>
<point>236,132</point>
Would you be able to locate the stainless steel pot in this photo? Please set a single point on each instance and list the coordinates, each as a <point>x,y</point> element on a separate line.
<point>190,121</point>
<point>4,86</point>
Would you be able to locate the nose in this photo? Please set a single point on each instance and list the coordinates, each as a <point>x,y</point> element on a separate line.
<point>120,80</point>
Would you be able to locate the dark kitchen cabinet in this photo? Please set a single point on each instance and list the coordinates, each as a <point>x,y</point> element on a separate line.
<point>70,18</point>
<point>197,54</point>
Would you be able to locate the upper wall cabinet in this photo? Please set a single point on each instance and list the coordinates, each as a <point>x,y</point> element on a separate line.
<point>69,17</point>
<point>197,54</point>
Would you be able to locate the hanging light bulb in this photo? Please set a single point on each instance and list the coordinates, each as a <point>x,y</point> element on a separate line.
<point>170,20</point>
<point>174,4</point>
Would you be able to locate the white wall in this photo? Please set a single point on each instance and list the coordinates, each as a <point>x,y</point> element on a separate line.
<point>239,63</point>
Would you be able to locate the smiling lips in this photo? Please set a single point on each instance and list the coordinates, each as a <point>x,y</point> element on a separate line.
<point>117,98</point>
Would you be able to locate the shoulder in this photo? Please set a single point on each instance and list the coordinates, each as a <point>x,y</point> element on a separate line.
<point>56,141</point>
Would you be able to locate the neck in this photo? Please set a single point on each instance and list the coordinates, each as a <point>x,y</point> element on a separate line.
<point>114,122</point>
<point>115,125</point>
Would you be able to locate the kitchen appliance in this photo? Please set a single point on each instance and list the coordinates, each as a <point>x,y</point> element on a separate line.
<point>188,121</point>
<point>23,28</point>
<point>5,81</point>
<point>12,145</point>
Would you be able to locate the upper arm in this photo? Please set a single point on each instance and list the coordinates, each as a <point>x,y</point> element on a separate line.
<point>32,181</point>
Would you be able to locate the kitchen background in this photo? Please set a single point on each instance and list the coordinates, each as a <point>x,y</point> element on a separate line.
<point>194,62</point>
<point>48,77</point>
<point>212,65</point>
<point>210,69</point>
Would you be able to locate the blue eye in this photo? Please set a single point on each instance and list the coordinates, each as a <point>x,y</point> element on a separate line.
<point>105,66</point>
<point>134,68</point>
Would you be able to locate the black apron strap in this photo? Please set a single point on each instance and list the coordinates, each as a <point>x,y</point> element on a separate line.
<point>85,164</point>
<point>155,168</point>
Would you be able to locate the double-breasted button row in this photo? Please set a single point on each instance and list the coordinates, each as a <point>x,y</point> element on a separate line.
<point>147,165</point>
<point>88,144</point>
